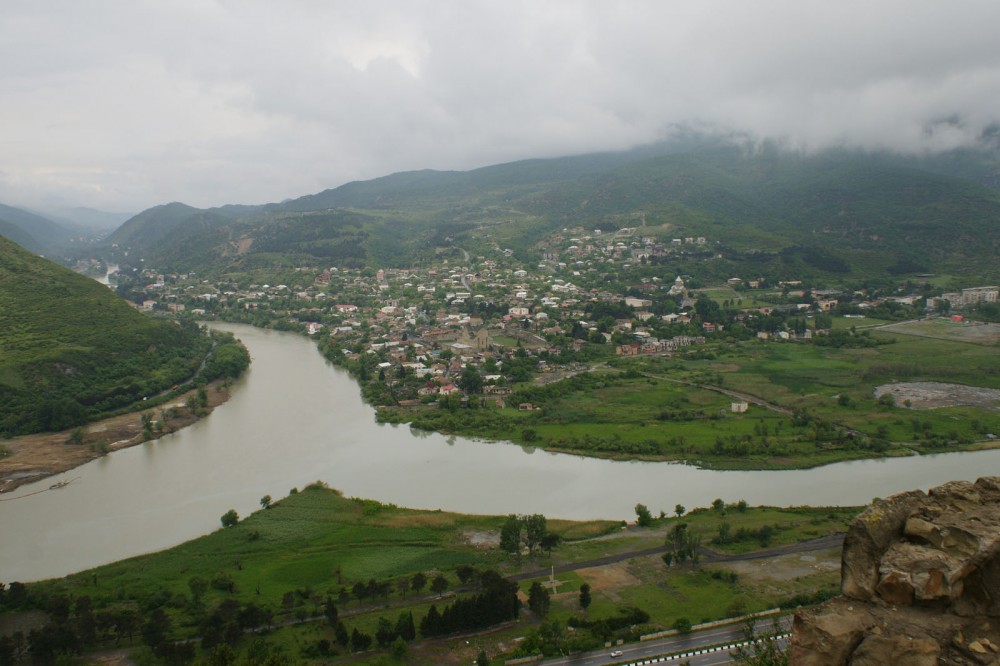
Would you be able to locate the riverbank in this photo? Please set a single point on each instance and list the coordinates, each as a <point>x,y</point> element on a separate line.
<point>34,457</point>
<point>374,562</point>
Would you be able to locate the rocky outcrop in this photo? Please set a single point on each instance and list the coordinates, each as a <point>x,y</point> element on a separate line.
<point>920,584</point>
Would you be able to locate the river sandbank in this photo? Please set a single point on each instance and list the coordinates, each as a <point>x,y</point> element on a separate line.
<point>34,457</point>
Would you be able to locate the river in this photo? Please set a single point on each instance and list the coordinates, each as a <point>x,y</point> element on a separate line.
<point>294,418</point>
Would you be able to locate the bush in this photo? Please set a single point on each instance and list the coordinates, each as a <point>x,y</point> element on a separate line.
<point>230,518</point>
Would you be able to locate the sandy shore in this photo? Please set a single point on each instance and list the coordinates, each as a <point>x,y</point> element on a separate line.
<point>34,457</point>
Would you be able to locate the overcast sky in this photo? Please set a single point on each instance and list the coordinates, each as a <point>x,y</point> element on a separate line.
<point>126,104</point>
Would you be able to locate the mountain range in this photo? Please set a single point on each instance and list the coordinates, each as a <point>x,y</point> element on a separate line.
<point>831,213</point>
<point>766,209</point>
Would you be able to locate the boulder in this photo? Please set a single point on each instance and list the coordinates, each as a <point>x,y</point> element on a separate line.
<point>877,650</point>
<point>826,636</point>
<point>868,537</point>
<point>920,583</point>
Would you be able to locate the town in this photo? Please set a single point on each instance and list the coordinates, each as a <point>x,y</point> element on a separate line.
<point>490,330</point>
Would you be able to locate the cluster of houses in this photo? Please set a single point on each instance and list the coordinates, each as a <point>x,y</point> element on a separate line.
<point>487,306</point>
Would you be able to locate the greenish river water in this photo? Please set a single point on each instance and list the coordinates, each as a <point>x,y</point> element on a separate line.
<point>294,419</point>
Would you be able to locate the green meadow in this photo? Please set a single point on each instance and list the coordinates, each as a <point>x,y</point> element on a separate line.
<point>314,547</point>
<point>816,404</point>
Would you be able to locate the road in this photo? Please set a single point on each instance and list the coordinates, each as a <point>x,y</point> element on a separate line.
<point>739,395</point>
<point>707,556</point>
<point>701,648</point>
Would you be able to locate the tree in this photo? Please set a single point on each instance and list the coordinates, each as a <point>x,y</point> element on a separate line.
<point>330,611</point>
<point>471,381</point>
<point>147,425</point>
<point>198,587</point>
<point>725,533</point>
<point>253,616</point>
<point>534,530</point>
<point>7,651</point>
<point>52,641</point>
<point>340,632</point>
<point>718,504</point>
<point>761,649</point>
<point>585,598</point>
<point>265,502</point>
<point>439,584</point>
<point>707,309</point>
<point>539,599</point>
<point>679,510</point>
<point>230,518</point>
<point>405,627</point>
<point>384,634</point>
<point>643,517</point>
<point>482,659</point>
<point>510,534</point>
<point>418,582</point>
<point>360,591</point>
<point>680,545</point>
<point>431,624</point>
<point>403,586</point>
<point>154,632</point>
<point>399,647</point>
<point>550,541</point>
<point>465,572</point>
<point>360,641</point>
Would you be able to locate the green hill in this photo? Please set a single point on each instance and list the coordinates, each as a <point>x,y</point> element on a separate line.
<point>71,350</point>
<point>38,234</point>
<point>832,213</point>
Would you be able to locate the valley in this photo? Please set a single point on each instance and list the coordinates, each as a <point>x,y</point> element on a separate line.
<point>601,340</point>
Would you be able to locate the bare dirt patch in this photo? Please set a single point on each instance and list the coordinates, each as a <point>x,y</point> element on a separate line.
<point>33,457</point>
<point>481,539</point>
<point>976,332</point>
<point>609,576</point>
<point>786,567</point>
<point>931,395</point>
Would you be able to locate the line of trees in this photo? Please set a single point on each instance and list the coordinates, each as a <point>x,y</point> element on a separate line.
<point>497,602</point>
<point>531,530</point>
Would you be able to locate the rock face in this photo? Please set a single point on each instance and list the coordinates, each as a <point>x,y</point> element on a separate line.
<point>920,584</point>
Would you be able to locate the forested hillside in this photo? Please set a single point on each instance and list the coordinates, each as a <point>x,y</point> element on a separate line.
<point>70,349</point>
<point>34,232</point>
<point>831,214</point>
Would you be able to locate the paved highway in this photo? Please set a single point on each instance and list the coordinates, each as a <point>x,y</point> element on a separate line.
<point>671,650</point>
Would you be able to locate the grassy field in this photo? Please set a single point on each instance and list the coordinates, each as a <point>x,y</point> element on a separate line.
<point>741,299</point>
<point>815,404</point>
<point>822,404</point>
<point>291,558</point>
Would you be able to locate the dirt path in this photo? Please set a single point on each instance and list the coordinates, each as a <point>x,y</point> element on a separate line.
<point>739,395</point>
<point>34,457</point>
<point>707,555</point>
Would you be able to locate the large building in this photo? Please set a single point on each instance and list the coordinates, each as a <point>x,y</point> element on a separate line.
<point>971,296</point>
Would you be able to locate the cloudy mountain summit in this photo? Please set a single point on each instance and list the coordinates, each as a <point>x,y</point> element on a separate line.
<point>125,105</point>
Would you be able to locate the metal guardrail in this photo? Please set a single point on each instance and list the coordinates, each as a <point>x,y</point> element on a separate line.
<point>710,625</point>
